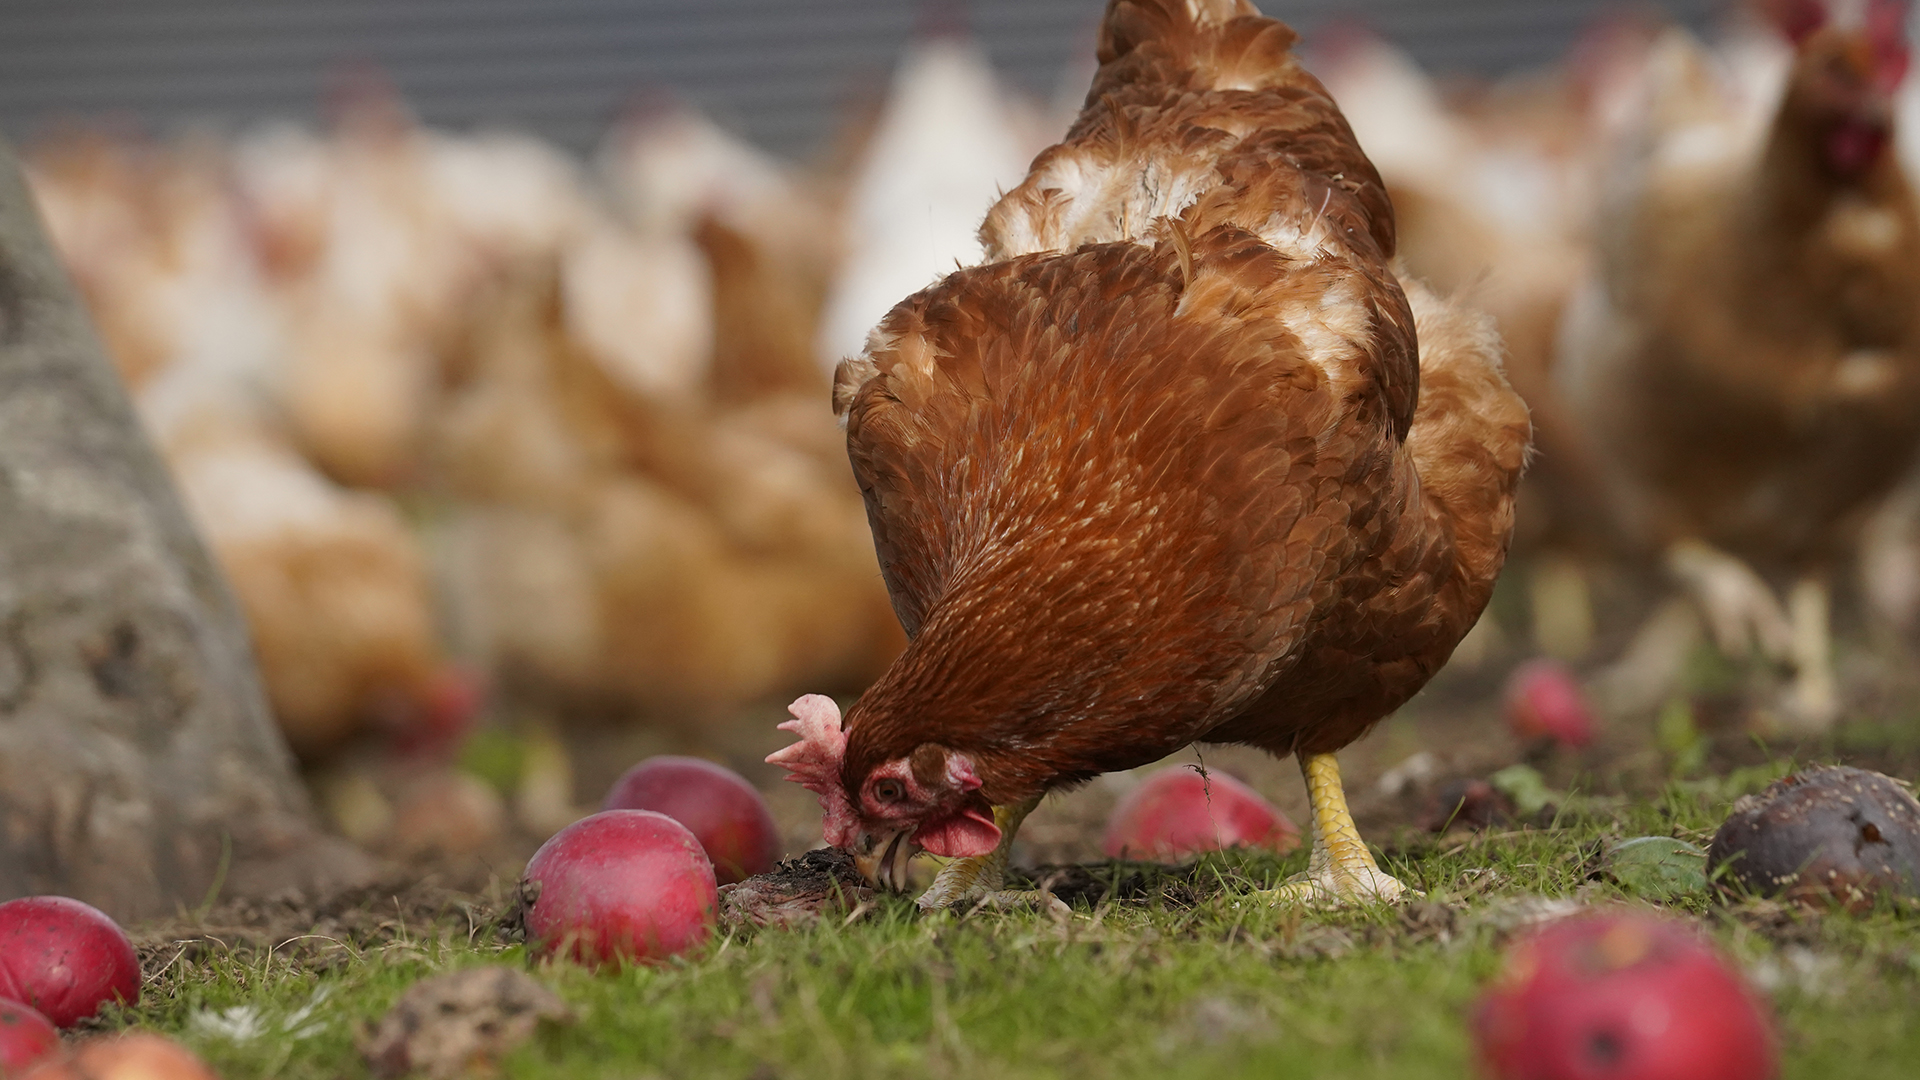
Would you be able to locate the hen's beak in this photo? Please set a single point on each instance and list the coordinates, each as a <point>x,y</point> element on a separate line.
<point>883,859</point>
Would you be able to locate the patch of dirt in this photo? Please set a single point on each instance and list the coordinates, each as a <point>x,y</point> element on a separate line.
<point>454,1024</point>
<point>1115,880</point>
<point>327,930</point>
<point>797,892</point>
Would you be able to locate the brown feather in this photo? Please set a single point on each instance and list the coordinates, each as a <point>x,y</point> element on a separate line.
<point>1162,469</point>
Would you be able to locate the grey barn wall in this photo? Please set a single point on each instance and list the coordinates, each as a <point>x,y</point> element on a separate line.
<point>778,71</point>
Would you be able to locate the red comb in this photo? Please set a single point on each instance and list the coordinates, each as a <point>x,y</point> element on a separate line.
<point>814,761</point>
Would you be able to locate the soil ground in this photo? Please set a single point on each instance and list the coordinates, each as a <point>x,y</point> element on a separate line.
<point>1159,971</point>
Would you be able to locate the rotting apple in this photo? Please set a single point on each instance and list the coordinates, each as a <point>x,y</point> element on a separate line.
<point>1835,835</point>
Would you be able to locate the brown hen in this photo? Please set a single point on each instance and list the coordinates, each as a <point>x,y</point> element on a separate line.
<point>1168,466</point>
<point>1748,362</point>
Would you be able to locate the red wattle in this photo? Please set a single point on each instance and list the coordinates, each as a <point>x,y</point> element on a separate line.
<point>964,835</point>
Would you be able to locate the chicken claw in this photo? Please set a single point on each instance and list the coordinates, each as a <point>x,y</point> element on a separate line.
<point>1740,609</point>
<point>1341,871</point>
<point>981,877</point>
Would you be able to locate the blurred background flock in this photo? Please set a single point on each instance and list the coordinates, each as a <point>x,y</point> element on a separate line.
<point>490,342</point>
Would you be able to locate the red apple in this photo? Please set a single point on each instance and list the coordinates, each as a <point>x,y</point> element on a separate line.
<point>1543,700</point>
<point>716,804</point>
<point>1178,812</point>
<point>25,1037</point>
<point>134,1056</point>
<point>1625,997</point>
<point>64,958</point>
<point>620,885</point>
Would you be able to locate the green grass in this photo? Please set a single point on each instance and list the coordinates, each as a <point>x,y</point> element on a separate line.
<point>1192,977</point>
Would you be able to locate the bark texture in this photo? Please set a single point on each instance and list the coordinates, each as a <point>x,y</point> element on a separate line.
<point>138,761</point>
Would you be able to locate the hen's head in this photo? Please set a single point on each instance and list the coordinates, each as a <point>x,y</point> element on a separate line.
<point>1850,58</point>
<point>928,800</point>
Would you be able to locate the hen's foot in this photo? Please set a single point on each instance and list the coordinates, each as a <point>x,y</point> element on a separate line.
<point>1651,667</point>
<point>1740,610</point>
<point>1024,900</point>
<point>1562,607</point>
<point>965,882</point>
<point>1812,701</point>
<point>1344,888</point>
<point>1341,871</point>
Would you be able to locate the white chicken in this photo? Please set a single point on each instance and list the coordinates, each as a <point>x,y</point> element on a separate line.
<point>945,147</point>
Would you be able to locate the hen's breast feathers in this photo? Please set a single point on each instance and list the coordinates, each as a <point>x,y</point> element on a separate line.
<point>1161,450</point>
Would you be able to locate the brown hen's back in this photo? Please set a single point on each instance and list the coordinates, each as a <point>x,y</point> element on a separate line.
<point>1169,465</point>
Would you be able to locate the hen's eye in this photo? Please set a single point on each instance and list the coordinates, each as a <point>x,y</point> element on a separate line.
<point>889,791</point>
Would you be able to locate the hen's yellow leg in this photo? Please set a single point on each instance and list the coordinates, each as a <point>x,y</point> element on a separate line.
<point>1562,607</point>
<point>1813,698</point>
<point>1341,869</point>
<point>978,877</point>
<point>1740,609</point>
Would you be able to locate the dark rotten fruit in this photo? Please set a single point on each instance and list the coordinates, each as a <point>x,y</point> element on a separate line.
<point>1825,835</point>
<point>622,885</point>
<point>1468,803</point>
<point>1621,997</point>
<point>716,804</point>
<point>64,958</point>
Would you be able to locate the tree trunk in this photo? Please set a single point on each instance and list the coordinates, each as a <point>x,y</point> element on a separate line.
<point>140,769</point>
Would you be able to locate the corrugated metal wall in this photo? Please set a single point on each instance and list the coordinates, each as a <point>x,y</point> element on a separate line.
<point>780,71</point>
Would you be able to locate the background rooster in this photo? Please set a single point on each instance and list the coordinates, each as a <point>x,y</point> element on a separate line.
<point>1748,359</point>
<point>1167,467</point>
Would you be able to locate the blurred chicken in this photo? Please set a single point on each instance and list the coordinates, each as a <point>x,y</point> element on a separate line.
<point>1748,357</point>
<point>641,303</point>
<point>1890,545</point>
<point>620,395</point>
<point>378,236</point>
<point>649,552</point>
<point>168,246</point>
<point>770,241</point>
<point>153,239</point>
<point>332,584</point>
<point>765,319</point>
<point>945,146</point>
